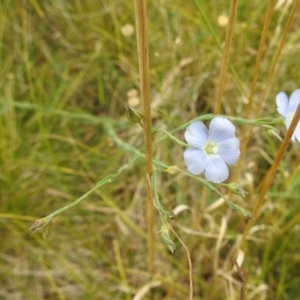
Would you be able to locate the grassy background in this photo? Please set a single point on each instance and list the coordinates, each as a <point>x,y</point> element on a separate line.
<point>66,69</point>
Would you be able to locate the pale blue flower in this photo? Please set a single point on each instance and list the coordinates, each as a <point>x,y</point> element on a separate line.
<point>212,149</point>
<point>287,109</point>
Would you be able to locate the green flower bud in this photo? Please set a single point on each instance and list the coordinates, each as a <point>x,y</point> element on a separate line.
<point>133,115</point>
<point>169,215</point>
<point>237,189</point>
<point>164,233</point>
<point>41,225</point>
<point>173,170</point>
<point>275,133</point>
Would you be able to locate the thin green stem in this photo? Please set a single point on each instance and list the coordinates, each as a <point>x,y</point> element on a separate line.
<point>61,210</point>
<point>120,266</point>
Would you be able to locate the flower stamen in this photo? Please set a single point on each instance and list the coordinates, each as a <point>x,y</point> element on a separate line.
<point>210,148</point>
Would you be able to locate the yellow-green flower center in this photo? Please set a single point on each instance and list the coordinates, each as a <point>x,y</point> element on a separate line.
<point>210,148</point>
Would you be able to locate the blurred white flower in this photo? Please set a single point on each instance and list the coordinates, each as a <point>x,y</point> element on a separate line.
<point>223,20</point>
<point>133,99</point>
<point>127,30</point>
<point>287,109</point>
<point>212,149</point>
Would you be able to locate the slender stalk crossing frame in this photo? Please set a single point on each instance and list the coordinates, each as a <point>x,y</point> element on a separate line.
<point>142,45</point>
<point>271,173</point>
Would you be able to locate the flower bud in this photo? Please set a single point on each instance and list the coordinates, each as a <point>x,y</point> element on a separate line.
<point>133,115</point>
<point>274,133</point>
<point>164,233</point>
<point>237,189</point>
<point>169,215</point>
<point>42,225</point>
<point>173,170</point>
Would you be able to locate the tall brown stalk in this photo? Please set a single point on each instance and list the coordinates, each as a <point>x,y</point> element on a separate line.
<point>142,45</point>
<point>225,56</point>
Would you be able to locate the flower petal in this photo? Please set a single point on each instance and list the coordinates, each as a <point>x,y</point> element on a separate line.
<point>195,161</point>
<point>282,103</point>
<point>296,133</point>
<point>229,150</point>
<point>220,129</point>
<point>196,134</point>
<point>216,170</point>
<point>292,107</point>
<point>294,101</point>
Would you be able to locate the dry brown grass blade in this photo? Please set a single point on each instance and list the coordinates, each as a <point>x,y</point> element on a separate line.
<point>189,261</point>
<point>228,40</point>
<point>242,276</point>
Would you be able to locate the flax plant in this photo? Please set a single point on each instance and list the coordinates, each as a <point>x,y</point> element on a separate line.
<point>269,177</point>
<point>267,181</point>
<point>101,252</point>
<point>271,73</point>
<point>277,56</point>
